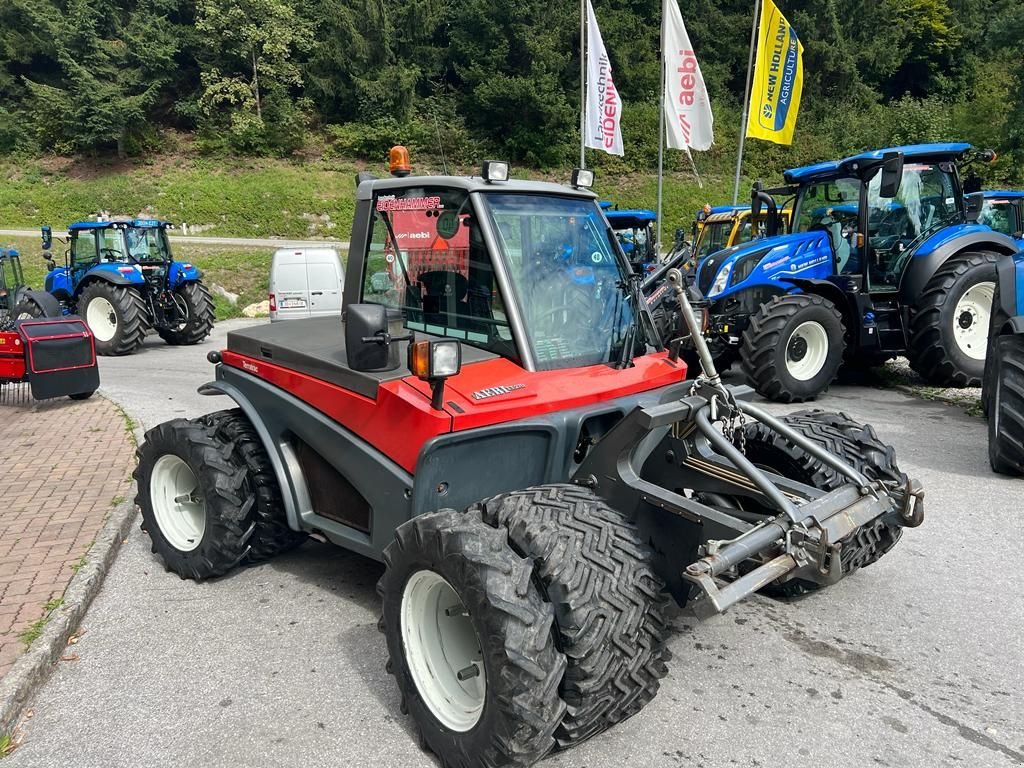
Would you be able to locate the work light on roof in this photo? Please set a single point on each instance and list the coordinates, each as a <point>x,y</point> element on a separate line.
<point>582,178</point>
<point>495,170</point>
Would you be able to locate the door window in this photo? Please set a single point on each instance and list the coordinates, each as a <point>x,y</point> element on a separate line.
<point>83,248</point>
<point>427,260</point>
<point>833,206</point>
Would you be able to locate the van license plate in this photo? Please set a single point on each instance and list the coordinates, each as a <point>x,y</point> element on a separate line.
<point>292,303</point>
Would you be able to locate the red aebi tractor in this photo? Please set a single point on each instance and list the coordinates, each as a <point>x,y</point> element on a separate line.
<point>536,473</point>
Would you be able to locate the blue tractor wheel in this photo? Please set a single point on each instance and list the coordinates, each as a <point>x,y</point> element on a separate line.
<point>793,347</point>
<point>196,307</point>
<point>116,315</point>
<point>950,321</point>
<point>1006,406</point>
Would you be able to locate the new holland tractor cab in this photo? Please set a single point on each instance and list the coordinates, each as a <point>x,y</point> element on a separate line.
<point>886,258</point>
<point>1004,212</point>
<point>17,300</point>
<point>121,277</point>
<point>636,231</point>
<point>531,468</point>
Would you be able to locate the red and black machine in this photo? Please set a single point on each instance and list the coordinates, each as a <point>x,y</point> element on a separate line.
<point>56,356</point>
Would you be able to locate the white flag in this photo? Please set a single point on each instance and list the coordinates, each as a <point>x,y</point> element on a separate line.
<point>604,108</point>
<point>688,118</point>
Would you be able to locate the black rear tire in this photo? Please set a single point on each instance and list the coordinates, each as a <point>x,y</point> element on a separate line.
<point>845,438</point>
<point>597,571</point>
<point>778,340</point>
<point>513,626</point>
<point>224,484</point>
<point>198,322</point>
<point>82,395</point>
<point>129,313</point>
<point>271,536</point>
<point>933,351</point>
<point>1006,407</point>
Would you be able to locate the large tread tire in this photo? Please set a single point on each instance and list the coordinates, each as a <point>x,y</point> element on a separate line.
<point>933,351</point>
<point>596,570</point>
<point>271,536</point>
<point>225,484</point>
<point>132,317</point>
<point>512,621</point>
<point>768,343</point>
<point>199,322</point>
<point>843,437</point>
<point>999,320</point>
<point>1006,407</point>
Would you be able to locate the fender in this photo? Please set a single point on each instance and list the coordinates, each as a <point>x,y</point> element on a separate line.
<point>115,274</point>
<point>923,267</point>
<point>827,290</point>
<point>47,302</point>
<point>180,272</point>
<point>281,472</point>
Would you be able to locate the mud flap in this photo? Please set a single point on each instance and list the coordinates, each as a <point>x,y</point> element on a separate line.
<point>60,357</point>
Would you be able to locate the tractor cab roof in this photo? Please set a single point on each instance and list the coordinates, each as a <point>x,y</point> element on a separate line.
<point>834,168</point>
<point>471,184</point>
<point>630,218</point>
<point>79,226</point>
<point>1012,194</point>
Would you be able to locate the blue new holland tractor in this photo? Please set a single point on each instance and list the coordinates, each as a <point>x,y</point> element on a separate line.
<point>120,276</point>
<point>635,230</point>
<point>886,257</point>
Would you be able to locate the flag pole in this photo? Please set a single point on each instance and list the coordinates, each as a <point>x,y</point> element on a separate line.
<point>583,82</point>
<point>661,141</point>
<point>746,103</point>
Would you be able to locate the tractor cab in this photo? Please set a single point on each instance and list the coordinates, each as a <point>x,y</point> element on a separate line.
<point>635,230</point>
<point>11,284</point>
<point>718,227</point>
<point>139,244</point>
<point>1003,211</point>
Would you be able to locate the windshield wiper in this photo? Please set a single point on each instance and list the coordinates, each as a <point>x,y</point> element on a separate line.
<point>631,288</point>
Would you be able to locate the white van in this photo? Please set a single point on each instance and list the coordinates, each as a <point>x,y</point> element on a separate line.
<point>305,282</point>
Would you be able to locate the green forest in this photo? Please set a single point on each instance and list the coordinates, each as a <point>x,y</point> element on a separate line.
<point>348,78</point>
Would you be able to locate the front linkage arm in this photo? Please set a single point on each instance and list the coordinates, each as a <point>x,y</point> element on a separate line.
<point>800,531</point>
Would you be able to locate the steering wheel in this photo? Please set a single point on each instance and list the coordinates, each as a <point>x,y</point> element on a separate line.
<point>114,254</point>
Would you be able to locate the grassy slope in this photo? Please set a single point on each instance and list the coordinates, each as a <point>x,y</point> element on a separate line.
<point>255,198</point>
<point>263,198</point>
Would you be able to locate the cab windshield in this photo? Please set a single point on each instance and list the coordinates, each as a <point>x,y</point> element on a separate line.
<point>148,243</point>
<point>566,275</point>
<point>714,237</point>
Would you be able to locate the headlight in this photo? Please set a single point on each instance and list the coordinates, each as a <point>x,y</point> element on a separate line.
<point>721,280</point>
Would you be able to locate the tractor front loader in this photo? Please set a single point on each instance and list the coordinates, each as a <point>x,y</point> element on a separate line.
<point>537,473</point>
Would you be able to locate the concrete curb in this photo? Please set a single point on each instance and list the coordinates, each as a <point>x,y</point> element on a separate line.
<point>938,398</point>
<point>34,667</point>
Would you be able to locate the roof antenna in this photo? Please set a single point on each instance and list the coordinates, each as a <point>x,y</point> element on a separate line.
<point>440,146</point>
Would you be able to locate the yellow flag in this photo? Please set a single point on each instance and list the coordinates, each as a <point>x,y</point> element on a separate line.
<point>778,79</point>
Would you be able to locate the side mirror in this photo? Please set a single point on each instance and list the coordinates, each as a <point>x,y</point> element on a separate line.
<point>368,344</point>
<point>892,175</point>
<point>973,205</point>
<point>47,237</point>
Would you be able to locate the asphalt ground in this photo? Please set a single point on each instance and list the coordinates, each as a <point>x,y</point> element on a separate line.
<point>916,661</point>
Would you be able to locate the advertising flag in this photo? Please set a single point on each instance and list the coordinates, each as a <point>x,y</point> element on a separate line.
<point>604,107</point>
<point>688,117</point>
<point>778,79</point>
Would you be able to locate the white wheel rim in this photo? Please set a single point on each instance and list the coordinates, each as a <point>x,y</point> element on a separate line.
<point>807,350</point>
<point>179,510</point>
<point>101,318</point>
<point>971,319</point>
<point>441,646</point>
